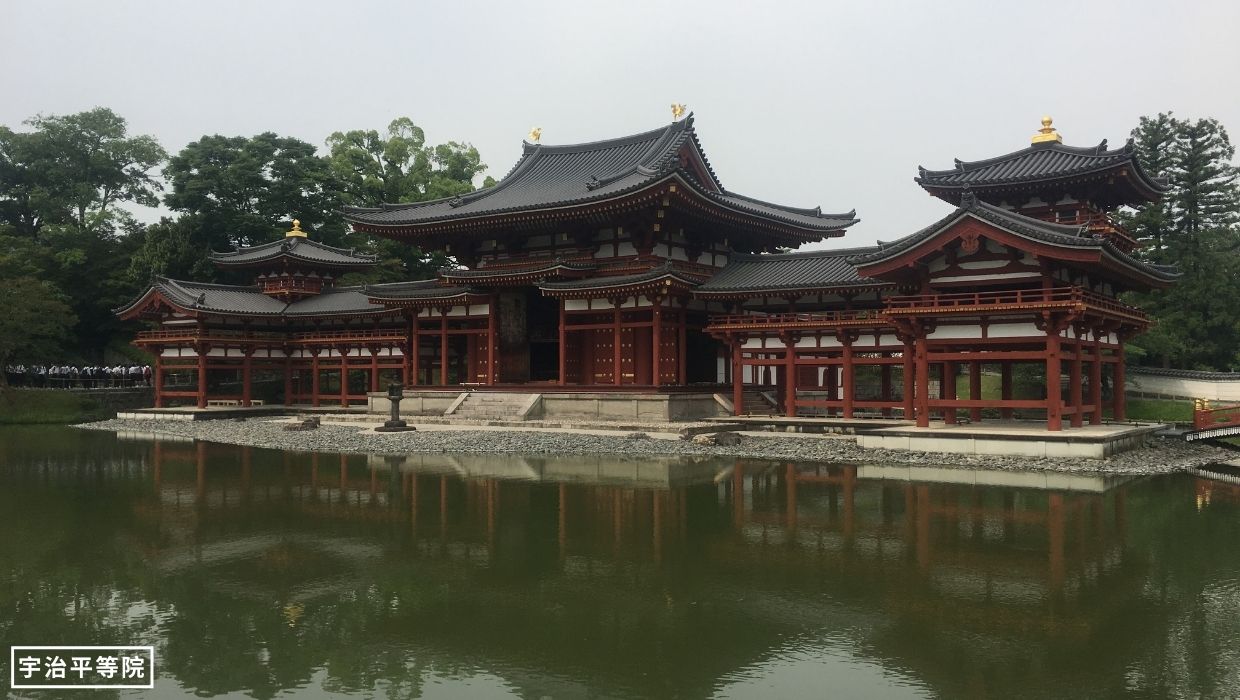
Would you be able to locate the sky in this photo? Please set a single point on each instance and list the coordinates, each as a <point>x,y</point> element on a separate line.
<point>811,103</point>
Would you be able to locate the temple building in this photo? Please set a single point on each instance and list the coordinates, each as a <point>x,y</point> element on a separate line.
<point>625,266</point>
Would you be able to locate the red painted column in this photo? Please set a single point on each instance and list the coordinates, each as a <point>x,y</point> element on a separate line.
<point>847,380</point>
<point>616,375</point>
<point>247,374</point>
<point>1005,388</point>
<point>923,383</point>
<point>909,380</point>
<point>563,342</point>
<point>975,390</point>
<point>885,381</point>
<point>790,375</point>
<point>1074,384</point>
<point>443,347</point>
<point>1119,409</point>
<point>202,376</point>
<point>947,390</point>
<point>415,350</point>
<point>738,377</point>
<point>344,375</point>
<point>656,339</point>
<point>157,379</point>
<point>1095,382</point>
<point>1054,396</point>
<point>833,384</point>
<point>314,378</point>
<point>491,340</point>
<point>374,368</point>
<point>288,382</point>
<point>682,350</point>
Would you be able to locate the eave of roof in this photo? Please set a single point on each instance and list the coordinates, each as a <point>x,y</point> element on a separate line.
<point>812,271</point>
<point>1059,235</point>
<point>299,249</point>
<point>627,165</point>
<point>1041,162</point>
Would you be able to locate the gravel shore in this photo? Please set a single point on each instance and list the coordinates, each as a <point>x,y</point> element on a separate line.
<point>1158,457</point>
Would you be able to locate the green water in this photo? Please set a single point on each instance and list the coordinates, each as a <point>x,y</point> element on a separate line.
<point>264,574</point>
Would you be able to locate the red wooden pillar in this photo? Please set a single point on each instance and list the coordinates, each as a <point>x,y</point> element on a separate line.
<point>923,383</point>
<point>847,380</point>
<point>491,340</point>
<point>738,376</point>
<point>344,375</point>
<point>374,369</point>
<point>202,376</point>
<point>288,382</point>
<point>833,383</point>
<point>656,338</point>
<point>1119,409</point>
<point>247,375</point>
<point>158,378</point>
<point>975,390</point>
<point>947,391</point>
<point>790,375</point>
<point>682,354</point>
<point>443,346</point>
<point>885,381</point>
<point>1005,388</point>
<point>908,380</point>
<point>1054,395</point>
<point>415,349</point>
<point>1074,383</point>
<point>1095,382</point>
<point>563,343</point>
<point>314,377</point>
<point>616,376</point>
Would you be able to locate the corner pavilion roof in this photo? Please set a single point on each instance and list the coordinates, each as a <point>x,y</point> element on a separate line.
<point>246,300</point>
<point>1044,163</point>
<point>295,248</point>
<point>1028,228</point>
<point>552,177</point>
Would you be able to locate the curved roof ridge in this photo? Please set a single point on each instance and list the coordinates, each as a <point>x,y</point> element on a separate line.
<point>1073,230</point>
<point>604,144</point>
<point>186,285</point>
<point>802,254</point>
<point>1099,151</point>
<point>806,211</point>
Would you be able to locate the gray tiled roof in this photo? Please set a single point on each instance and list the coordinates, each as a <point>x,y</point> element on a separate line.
<point>553,176</point>
<point>419,289</point>
<point>821,269</point>
<point>336,300</point>
<point>1024,226</point>
<point>294,248</point>
<point>1041,161</point>
<point>661,272</point>
<point>544,266</point>
<point>244,300</point>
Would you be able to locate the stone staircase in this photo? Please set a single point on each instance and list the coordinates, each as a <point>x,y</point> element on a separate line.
<point>760,403</point>
<point>488,405</point>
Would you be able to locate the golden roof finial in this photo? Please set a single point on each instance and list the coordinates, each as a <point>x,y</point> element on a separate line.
<point>296,231</point>
<point>1047,133</point>
<point>535,134</point>
<point>678,111</point>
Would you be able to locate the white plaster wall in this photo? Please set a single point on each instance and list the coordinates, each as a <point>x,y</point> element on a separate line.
<point>1182,387</point>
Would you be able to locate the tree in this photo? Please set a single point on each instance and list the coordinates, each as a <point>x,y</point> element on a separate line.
<point>1195,229</point>
<point>244,191</point>
<point>399,167</point>
<point>36,323</point>
<point>74,170</point>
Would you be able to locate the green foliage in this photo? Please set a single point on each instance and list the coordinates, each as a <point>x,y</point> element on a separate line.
<point>36,323</point>
<point>73,170</point>
<point>1195,229</point>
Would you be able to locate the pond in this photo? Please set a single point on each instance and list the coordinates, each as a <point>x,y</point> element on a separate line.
<point>262,573</point>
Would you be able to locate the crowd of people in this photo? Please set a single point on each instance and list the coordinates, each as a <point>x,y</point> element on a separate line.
<point>72,376</point>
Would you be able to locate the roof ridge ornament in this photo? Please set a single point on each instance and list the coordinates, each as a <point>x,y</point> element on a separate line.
<point>535,134</point>
<point>968,199</point>
<point>678,111</point>
<point>1047,133</point>
<point>296,231</point>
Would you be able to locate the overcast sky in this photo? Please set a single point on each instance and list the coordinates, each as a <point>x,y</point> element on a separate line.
<point>801,103</point>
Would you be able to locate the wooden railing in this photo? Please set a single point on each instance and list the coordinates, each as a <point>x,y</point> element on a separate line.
<point>1222,416</point>
<point>822,318</point>
<point>228,336</point>
<point>1063,297</point>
